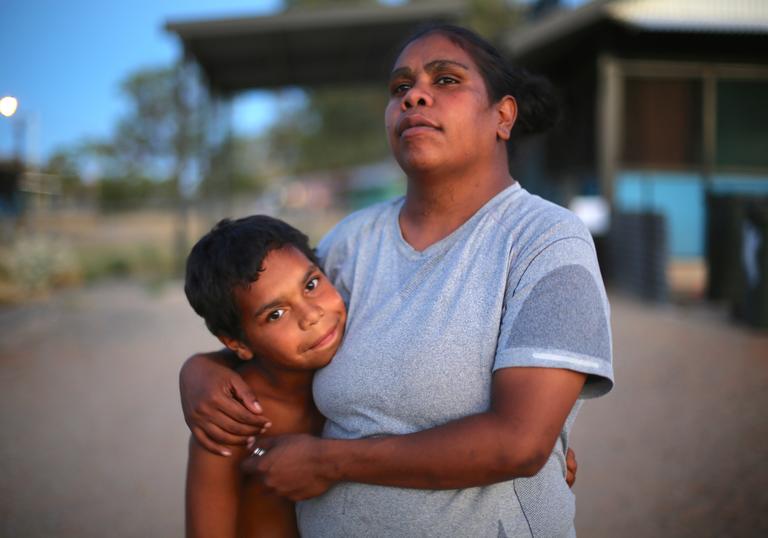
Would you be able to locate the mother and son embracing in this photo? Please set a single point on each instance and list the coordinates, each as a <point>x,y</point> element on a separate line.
<point>418,374</point>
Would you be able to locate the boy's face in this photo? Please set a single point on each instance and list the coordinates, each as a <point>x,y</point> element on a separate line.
<point>292,316</point>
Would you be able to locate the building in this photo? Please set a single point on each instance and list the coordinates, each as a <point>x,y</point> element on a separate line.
<point>666,101</point>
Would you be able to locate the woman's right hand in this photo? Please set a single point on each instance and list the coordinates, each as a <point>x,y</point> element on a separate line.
<point>218,405</point>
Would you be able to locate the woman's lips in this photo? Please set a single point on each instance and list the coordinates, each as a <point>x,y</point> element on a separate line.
<point>416,130</point>
<point>415,123</point>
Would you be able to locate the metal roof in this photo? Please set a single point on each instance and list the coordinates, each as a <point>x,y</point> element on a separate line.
<point>723,16</point>
<point>304,47</point>
<point>682,16</point>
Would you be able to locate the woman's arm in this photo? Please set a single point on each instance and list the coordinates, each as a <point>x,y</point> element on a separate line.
<point>512,439</point>
<point>219,407</point>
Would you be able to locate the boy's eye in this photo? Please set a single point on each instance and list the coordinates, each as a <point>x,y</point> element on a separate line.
<point>313,283</point>
<point>275,314</point>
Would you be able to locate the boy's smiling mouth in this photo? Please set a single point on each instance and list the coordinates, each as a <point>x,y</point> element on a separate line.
<point>326,339</point>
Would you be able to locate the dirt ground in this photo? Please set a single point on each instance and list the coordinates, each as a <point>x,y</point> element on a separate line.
<point>93,443</point>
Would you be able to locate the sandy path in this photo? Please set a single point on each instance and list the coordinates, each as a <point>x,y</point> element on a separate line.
<point>93,443</point>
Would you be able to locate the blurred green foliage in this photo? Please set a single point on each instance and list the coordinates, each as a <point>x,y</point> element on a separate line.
<point>34,265</point>
<point>337,127</point>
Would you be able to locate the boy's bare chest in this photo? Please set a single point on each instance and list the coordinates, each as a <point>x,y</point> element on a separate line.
<point>287,417</point>
<point>288,413</point>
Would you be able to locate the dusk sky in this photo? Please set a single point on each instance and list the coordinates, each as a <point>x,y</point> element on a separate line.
<point>64,61</point>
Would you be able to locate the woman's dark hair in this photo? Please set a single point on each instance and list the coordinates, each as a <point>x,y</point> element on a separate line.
<point>232,254</point>
<point>538,108</point>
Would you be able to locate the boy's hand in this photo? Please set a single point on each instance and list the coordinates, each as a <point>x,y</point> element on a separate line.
<point>571,467</point>
<point>218,406</point>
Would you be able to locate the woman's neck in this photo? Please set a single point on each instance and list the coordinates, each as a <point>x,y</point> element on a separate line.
<point>435,207</point>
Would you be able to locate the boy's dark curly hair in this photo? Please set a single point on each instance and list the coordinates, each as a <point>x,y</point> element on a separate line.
<point>232,254</point>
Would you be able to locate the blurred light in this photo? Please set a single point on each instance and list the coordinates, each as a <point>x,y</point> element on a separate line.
<point>594,212</point>
<point>8,106</point>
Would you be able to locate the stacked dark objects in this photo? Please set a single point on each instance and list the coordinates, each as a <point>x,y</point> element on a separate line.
<point>637,251</point>
<point>737,255</point>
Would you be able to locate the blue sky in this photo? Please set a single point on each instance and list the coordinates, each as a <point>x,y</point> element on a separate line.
<point>63,61</point>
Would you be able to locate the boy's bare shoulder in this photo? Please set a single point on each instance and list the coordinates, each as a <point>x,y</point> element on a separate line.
<point>286,415</point>
<point>253,375</point>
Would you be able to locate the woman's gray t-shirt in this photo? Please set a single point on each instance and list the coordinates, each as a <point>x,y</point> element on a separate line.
<point>516,285</point>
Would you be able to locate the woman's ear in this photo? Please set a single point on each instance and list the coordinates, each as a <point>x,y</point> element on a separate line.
<point>507,114</point>
<point>242,351</point>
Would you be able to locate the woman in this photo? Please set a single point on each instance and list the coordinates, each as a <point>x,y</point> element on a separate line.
<point>477,320</point>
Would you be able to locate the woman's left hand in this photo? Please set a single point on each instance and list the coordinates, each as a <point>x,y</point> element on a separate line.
<point>291,466</point>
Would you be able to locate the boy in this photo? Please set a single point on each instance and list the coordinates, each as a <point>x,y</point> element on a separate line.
<point>258,285</point>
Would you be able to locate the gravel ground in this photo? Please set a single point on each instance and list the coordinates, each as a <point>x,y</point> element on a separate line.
<point>93,443</point>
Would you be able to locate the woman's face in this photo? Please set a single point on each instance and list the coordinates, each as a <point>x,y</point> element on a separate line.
<point>439,116</point>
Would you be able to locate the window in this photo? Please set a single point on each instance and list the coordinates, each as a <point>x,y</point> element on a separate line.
<point>662,123</point>
<point>742,117</point>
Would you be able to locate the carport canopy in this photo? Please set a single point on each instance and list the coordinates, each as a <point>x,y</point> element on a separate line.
<point>304,47</point>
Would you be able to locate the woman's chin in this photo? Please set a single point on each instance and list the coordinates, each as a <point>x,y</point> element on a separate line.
<point>417,163</point>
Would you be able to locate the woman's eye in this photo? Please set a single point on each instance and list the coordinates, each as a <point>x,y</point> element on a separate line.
<point>313,283</point>
<point>398,89</point>
<point>445,81</point>
<point>275,314</point>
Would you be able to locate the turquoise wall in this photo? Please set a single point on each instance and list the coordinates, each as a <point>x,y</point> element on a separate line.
<point>680,197</point>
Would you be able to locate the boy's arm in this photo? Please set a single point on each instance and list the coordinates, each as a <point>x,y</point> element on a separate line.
<point>213,492</point>
<point>219,407</point>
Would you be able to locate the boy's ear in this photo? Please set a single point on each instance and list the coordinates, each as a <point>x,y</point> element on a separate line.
<point>242,351</point>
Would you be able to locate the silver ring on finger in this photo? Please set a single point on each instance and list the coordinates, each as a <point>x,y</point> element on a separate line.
<point>258,452</point>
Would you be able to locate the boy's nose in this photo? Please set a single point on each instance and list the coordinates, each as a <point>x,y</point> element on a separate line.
<point>312,315</point>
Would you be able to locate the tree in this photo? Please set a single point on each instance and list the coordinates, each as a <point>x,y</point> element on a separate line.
<point>162,124</point>
<point>337,127</point>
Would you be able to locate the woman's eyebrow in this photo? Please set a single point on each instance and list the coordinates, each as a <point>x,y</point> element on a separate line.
<point>437,65</point>
<point>401,72</point>
<point>431,67</point>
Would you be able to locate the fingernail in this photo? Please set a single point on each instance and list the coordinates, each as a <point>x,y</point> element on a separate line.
<point>251,442</point>
<point>226,453</point>
<point>256,406</point>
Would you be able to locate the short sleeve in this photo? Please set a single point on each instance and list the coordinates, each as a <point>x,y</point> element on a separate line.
<point>556,315</point>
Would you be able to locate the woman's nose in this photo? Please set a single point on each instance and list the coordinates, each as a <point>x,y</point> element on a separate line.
<point>416,96</point>
<point>312,314</point>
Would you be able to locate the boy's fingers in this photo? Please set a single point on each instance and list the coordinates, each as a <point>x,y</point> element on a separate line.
<point>209,444</point>
<point>570,460</point>
<point>571,467</point>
